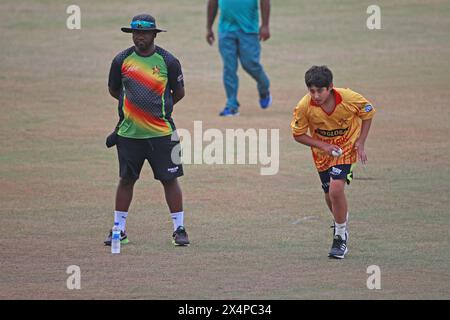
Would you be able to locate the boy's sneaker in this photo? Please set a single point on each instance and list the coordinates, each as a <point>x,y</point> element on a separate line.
<point>339,247</point>
<point>123,238</point>
<point>229,112</point>
<point>180,237</point>
<point>265,102</point>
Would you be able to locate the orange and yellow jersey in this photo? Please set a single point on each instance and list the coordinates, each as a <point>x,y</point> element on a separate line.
<point>341,127</point>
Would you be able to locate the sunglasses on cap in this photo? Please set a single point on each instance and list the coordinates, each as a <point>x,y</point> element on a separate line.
<point>139,24</point>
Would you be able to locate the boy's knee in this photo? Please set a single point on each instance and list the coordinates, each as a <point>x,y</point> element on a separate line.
<point>336,188</point>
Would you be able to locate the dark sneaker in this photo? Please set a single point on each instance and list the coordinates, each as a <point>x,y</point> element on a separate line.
<point>180,237</point>
<point>229,112</point>
<point>265,102</point>
<point>123,238</point>
<point>339,248</point>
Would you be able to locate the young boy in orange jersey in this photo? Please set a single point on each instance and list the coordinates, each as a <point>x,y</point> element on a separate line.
<point>338,121</point>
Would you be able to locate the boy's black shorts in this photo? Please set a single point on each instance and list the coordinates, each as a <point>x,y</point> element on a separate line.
<point>337,172</point>
<point>158,151</point>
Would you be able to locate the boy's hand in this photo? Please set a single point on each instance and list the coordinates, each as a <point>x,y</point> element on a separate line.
<point>359,147</point>
<point>329,148</point>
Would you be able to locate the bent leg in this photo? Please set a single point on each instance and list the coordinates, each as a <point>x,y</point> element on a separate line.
<point>249,55</point>
<point>338,200</point>
<point>228,47</point>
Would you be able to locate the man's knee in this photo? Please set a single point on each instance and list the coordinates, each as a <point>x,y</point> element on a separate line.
<point>169,183</point>
<point>251,66</point>
<point>127,182</point>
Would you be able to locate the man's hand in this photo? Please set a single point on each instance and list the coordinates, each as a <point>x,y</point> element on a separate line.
<point>359,147</point>
<point>210,37</point>
<point>264,33</point>
<point>111,140</point>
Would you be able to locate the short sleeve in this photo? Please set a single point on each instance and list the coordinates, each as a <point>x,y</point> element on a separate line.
<point>115,74</point>
<point>175,75</point>
<point>365,109</point>
<point>299,124</point>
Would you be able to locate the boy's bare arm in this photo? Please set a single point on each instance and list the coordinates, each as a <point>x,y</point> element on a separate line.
<point>311,142</point>
<point>359,144</point>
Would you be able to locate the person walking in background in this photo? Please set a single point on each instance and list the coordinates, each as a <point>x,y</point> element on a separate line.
<point>239,39</point>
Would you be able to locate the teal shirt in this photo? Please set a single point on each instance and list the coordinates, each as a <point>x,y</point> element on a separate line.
<point>238,15</point>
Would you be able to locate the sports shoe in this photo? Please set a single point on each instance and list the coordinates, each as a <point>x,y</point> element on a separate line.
<point>180,237</point>
<point>123,238</point>
<point>229,112</point>
<point>339,247</point>
<point>265,102</point>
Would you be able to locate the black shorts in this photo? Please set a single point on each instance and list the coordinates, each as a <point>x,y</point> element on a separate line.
<point>337,172</point>
<point>158,151</point>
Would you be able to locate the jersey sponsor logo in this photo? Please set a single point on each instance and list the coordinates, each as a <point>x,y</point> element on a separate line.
<point>180,78</point>
<point>335,171</point>
<point>331,133</point>
<point>368,108</point>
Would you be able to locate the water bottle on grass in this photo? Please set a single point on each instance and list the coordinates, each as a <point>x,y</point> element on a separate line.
<point>115,240</point>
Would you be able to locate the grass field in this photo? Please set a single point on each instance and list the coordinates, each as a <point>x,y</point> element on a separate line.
<point>253,236</point>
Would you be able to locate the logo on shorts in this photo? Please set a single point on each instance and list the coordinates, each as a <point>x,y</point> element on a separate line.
<point>173,170</point>
<point>368,108</point>
<point>335,171</point>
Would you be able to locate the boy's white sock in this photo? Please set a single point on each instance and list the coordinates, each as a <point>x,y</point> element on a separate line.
<point>340,229</point>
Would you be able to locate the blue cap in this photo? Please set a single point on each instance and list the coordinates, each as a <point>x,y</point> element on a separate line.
<point>142,22</point>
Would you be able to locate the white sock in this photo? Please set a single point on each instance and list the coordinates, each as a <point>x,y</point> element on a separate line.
<point>121,218</point>
<point>177,219</point>
<point>340,229</point>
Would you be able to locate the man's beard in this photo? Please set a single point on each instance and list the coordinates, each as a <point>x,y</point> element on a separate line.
<point>142,46</point>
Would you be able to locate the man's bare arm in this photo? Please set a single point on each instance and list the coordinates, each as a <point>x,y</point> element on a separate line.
<point>114,93</point>
<point>211,16</point>
<point>264,31</point>
<point>178,94</point>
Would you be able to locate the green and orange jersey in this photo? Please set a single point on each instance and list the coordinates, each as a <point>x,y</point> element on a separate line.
<point>145,85</point>
<point>341,127</point>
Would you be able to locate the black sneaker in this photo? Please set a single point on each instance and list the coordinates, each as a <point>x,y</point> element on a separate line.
<point>123,238</point>
<point>180,237</point>
<point>339,248</point>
